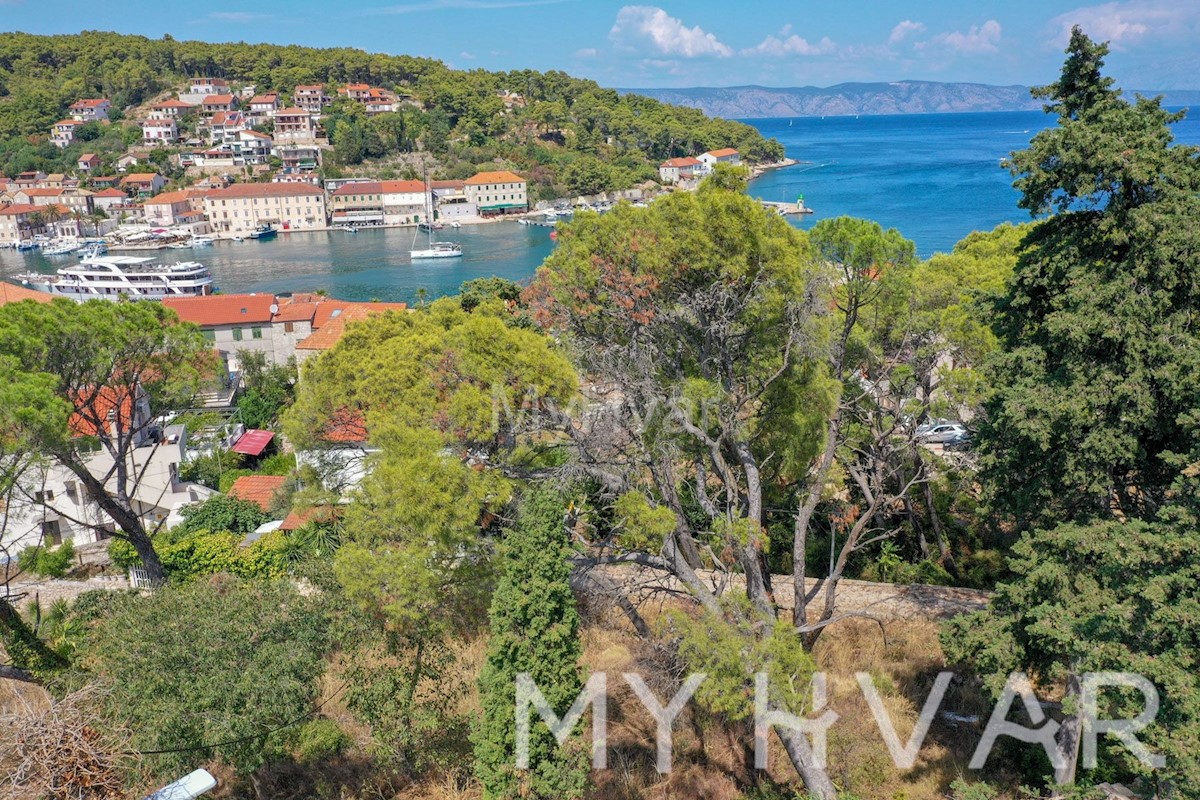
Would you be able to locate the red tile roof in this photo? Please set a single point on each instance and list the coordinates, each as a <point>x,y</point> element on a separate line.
<point>263,99</point>
<point>170,198</point>
<point>89,157</point>
<point>239,190</point>
<point>174,102</point>
<point>296,312</point>
<point>105,402</point>
<point>356,87</point>
<point>346,426</point>
<point>109,192</point>
<point>504,176</point>
<point>139,177</point>
<point>333,316</point>
<point>314,87</point>
<point>724,151</point>
<point>11,293</point>
<point>218,100</point>
<point>361,187</point>
<point>93,102</point>
<point>447,184</point>
<point>293,111</point>
<point>258,489</point>
<point>222,309</point>
<point>686,161</point>
<point>41,191</point>
<point>403,187</point>
<point>20,208</point>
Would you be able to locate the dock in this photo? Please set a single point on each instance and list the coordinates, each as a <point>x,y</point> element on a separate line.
<point>787,209</point>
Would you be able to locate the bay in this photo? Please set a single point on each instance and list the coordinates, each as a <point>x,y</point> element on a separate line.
<point>935,177</point>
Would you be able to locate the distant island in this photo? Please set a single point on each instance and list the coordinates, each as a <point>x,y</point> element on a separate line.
<point>899,97</point>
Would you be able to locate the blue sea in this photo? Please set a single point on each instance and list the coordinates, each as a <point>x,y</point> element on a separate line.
<point>935,177</point>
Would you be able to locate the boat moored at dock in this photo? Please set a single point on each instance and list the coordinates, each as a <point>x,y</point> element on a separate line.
<point>123,278</point>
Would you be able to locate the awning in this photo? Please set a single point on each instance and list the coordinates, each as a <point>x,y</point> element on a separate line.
<point>253,442</point>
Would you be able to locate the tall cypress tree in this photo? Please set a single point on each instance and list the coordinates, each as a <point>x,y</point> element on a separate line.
<point>534,629</point>
<point>1095,399</point>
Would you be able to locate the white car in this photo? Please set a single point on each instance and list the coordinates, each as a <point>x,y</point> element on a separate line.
<point>942,433</point>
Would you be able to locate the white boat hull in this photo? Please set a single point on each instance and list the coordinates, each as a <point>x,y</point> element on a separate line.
<point>435,254</point>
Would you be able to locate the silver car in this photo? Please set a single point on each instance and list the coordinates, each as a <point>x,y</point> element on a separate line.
<point>942,433</point>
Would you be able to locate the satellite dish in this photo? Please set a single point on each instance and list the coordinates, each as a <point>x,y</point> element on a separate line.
<point>274,309</point>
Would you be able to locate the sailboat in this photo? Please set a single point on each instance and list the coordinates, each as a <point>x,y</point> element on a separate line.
<point>435,249</point>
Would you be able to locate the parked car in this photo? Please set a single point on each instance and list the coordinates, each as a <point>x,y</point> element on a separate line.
<point>958,443</point>
<point>940,434</point>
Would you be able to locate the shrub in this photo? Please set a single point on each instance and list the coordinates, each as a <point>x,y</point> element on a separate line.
<point>48,562</point>
<point>320,740</point>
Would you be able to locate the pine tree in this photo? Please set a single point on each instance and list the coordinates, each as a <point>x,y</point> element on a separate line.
<point>1095,398</point>
<point>534,629</point>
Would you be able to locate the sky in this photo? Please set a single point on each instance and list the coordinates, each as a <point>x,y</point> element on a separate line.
<point>693,43</point>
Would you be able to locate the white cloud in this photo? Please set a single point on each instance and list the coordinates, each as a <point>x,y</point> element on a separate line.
<point>978,40</point>
<point>642,27</point>
<point>587,52</point>
<point>784,45</point>
<point>466,54</point>
<point>1124,23</point>
<point>905,29</point>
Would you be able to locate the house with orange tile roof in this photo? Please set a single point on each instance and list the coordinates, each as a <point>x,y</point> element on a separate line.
<point>170,208</point>
<point>262,490</point>
<point>106,199</point>
<point>241,207</point>
<point>63,132</point>
<point>357,203</point>
<point>497,193</point>
<point>311,97</point>
<point>204,85</point>
<point>674,170</point>
<point>22,221</point>
<point>215,103</point>
<point>294,124</point>
<point>405,202</point>
<point>337,315</point>
<point>172,107</point>
<point>92,109</point>
<point>163,130</point>
<point>60,509</point>
<point>231,322</point>
<point>88,162</point>
<point>726,155</point>
<point>143,184</point>
<point>260,107</point>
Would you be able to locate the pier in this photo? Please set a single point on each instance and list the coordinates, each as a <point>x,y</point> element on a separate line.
<point>787,209</point>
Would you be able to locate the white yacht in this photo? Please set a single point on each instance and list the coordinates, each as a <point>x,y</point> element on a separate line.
<point>124,278</point>
<point>435,249</point>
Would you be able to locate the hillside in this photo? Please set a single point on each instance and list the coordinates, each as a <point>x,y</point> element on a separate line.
<point>568,135</point>
<point>901,97</point>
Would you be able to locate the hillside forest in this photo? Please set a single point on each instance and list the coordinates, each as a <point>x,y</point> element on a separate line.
<point>567,135</point>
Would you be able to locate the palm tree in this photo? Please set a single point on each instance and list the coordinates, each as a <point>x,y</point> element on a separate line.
<point>422,293</point>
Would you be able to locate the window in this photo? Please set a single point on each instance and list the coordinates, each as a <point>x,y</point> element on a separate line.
<point>256,333</point>
<point>209,336</point>
<point>51,532</point>
<point>237,334</point>
<point>44,496</point>
<point>289,327</point>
